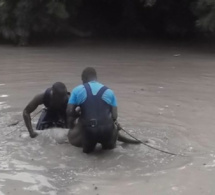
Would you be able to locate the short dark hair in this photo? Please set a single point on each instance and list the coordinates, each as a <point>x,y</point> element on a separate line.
<point>59,88</point>
<point>88,74</point>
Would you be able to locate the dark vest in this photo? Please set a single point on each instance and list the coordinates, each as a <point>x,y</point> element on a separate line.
<point>47,98</point>
<point>95,111</point>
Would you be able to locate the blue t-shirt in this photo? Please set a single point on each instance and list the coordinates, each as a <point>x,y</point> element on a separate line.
<point>79,94</point>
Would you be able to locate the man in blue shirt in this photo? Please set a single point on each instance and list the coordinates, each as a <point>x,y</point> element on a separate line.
<point>98,114</point>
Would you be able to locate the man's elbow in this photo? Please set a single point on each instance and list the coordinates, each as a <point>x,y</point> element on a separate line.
<point>25,113</point>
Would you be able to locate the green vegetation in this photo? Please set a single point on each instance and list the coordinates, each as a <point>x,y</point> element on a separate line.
<point>23,20</point>
<point>205,10</point>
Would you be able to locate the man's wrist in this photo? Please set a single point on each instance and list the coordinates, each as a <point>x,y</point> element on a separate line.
<point>31,132</point>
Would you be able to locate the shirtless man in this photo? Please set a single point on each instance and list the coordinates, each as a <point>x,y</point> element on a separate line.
<point>55,100</point>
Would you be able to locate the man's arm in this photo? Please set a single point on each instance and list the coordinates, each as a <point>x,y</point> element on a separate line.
<point>73,109</point>
<point>114,113</point>
<point>121,137</point>
<point>33,104</point>
<point>71,115</point>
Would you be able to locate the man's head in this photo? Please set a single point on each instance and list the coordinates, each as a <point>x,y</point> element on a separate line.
<point>89,74</point>
<point>59,90</point>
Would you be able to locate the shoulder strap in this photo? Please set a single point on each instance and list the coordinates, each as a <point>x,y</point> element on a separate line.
<point>88,89</point>
<point>101,91</point>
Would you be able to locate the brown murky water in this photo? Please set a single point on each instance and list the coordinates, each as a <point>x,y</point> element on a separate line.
<point>165,93</point>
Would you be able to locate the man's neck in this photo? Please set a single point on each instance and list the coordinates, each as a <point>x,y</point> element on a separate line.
<point>92,80</point>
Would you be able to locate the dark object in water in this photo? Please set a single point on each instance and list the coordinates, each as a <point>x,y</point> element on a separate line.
<point>14,123</point>
<point>166,152</point>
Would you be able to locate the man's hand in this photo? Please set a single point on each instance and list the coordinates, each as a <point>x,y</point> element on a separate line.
<point>118,126</point>
<point>77,112</point>
<point>33,134</point>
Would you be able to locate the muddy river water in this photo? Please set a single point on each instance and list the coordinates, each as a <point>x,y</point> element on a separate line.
<point>165,94</point>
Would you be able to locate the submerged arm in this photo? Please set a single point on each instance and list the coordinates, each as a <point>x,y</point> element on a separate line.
<point>33,104</point>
